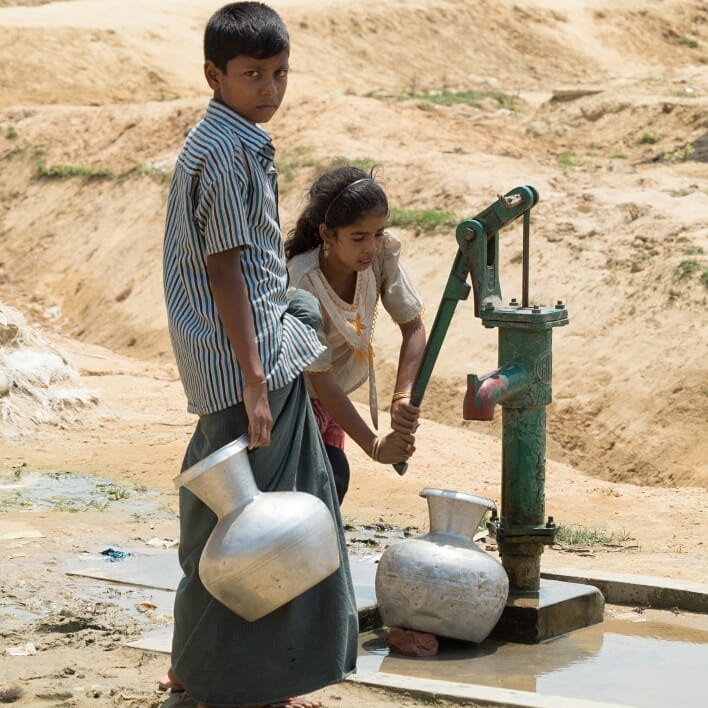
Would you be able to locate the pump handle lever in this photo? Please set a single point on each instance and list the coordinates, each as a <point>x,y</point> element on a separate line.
<point>456,289</point>
<point>476,260</point>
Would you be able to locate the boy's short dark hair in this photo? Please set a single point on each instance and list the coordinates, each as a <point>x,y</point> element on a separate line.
<point>250,28</point>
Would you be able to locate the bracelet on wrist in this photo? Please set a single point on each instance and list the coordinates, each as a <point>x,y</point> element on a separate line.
<point>398,395</point>
<point>374,454</point>
<point>255,383</point>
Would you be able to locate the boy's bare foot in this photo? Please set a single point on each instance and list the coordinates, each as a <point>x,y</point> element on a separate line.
<point>169,682</point>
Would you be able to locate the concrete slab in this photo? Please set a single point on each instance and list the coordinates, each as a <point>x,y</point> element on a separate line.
<point>479,696</point>
<point>640,590</point>
<point>158,568</point>
<point>139,573</point>
<point>157,640</point>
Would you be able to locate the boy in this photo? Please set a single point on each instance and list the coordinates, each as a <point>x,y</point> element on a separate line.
<point>240,356</point>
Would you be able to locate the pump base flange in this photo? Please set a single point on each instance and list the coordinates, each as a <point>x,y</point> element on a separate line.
<point>555,609</point>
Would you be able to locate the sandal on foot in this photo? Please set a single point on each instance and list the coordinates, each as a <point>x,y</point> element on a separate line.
<point>169,682</point>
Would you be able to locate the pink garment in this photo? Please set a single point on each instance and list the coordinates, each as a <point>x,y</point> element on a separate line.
<point>332,434</point>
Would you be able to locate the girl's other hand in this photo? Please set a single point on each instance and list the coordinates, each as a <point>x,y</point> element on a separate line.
<point>260,420</point>
<point>395,447</point>
<point>404,416</point>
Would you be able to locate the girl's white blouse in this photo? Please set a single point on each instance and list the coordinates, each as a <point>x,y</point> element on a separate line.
<point>347,328</point>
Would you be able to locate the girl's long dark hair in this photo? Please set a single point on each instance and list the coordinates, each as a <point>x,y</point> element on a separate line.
<point>338,198</point>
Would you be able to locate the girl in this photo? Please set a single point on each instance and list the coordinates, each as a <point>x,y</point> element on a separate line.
<point>340,252</point>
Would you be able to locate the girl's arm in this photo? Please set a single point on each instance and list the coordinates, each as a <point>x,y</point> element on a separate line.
<point>404,415</point>
<point>394,447</point>
<point>234,307</point>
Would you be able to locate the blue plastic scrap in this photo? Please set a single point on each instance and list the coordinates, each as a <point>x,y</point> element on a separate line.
<point>113,555</point>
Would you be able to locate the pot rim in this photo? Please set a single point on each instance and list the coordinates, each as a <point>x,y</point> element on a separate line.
<point>223,453</point>
<point>458,496</point>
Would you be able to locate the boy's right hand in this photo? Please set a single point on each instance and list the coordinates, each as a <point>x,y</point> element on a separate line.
<point>260,420</point>
<point>396,447</point>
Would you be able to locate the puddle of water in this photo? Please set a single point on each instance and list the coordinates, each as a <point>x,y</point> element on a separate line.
<point>22,490</point>
<point>651,660</point>
<point>372,540</point>
<point>144,605</point>
<point>13,614</point>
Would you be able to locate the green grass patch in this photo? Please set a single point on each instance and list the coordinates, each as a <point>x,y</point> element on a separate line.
<point>618,156</point>
<point>363,163</point>
<point>686,268</point>
<point>156,172</point>
<point>566,159</point>
<point>689,42</point>
<point>648,139</point>
<point>421,219</point>
<point>293,160</point>
<point>69,171</point>
<point>300,157</point>
<point>581,536</point>
<point>11,133</point>
<point>25,151</point>
<point>693,251</point>
<point>469,98</point>
<point>679,154</point>
<point>704,277</point>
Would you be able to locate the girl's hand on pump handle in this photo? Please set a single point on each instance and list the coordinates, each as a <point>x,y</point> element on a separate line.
<point>404,415</point>
<point>392,448</point>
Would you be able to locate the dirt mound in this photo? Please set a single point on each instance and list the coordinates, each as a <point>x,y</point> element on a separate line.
<point>23,3</point>
<point>620,232</point>
<point>86,73</point>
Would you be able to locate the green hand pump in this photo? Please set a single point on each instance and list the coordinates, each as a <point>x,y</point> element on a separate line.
<point>521,385</point>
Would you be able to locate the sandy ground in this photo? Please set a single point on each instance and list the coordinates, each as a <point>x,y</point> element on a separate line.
<point>603,110</point>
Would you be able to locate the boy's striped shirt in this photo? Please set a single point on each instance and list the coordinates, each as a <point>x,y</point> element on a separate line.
<point>223,195</point>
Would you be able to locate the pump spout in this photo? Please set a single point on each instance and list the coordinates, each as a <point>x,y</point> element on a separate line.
<point>484,392</point>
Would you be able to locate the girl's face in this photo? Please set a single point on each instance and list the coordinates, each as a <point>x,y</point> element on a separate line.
<point>355,246</point>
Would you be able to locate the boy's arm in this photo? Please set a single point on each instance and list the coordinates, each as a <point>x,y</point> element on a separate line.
<point>234,307</point>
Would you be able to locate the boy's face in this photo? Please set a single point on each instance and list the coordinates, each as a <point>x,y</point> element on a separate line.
<point>252,87</point>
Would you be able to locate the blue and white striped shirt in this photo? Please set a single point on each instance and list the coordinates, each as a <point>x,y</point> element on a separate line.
<point>223,195</point>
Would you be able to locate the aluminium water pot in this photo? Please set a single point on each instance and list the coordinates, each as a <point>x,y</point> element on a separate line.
<point>442,582</point>
<point>267,547</point>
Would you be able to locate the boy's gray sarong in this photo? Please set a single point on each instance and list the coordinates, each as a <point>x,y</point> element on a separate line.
<point>221,659</point>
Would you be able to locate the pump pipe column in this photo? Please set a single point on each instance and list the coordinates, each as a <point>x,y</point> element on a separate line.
<point>522,387</point>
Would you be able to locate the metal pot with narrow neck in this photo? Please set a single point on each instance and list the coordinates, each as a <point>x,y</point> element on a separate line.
<point>442,582</point>
<point>267,547</point>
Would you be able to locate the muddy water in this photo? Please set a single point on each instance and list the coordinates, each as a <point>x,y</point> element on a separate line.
<point>646,659</point>
<point>29,490</point>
